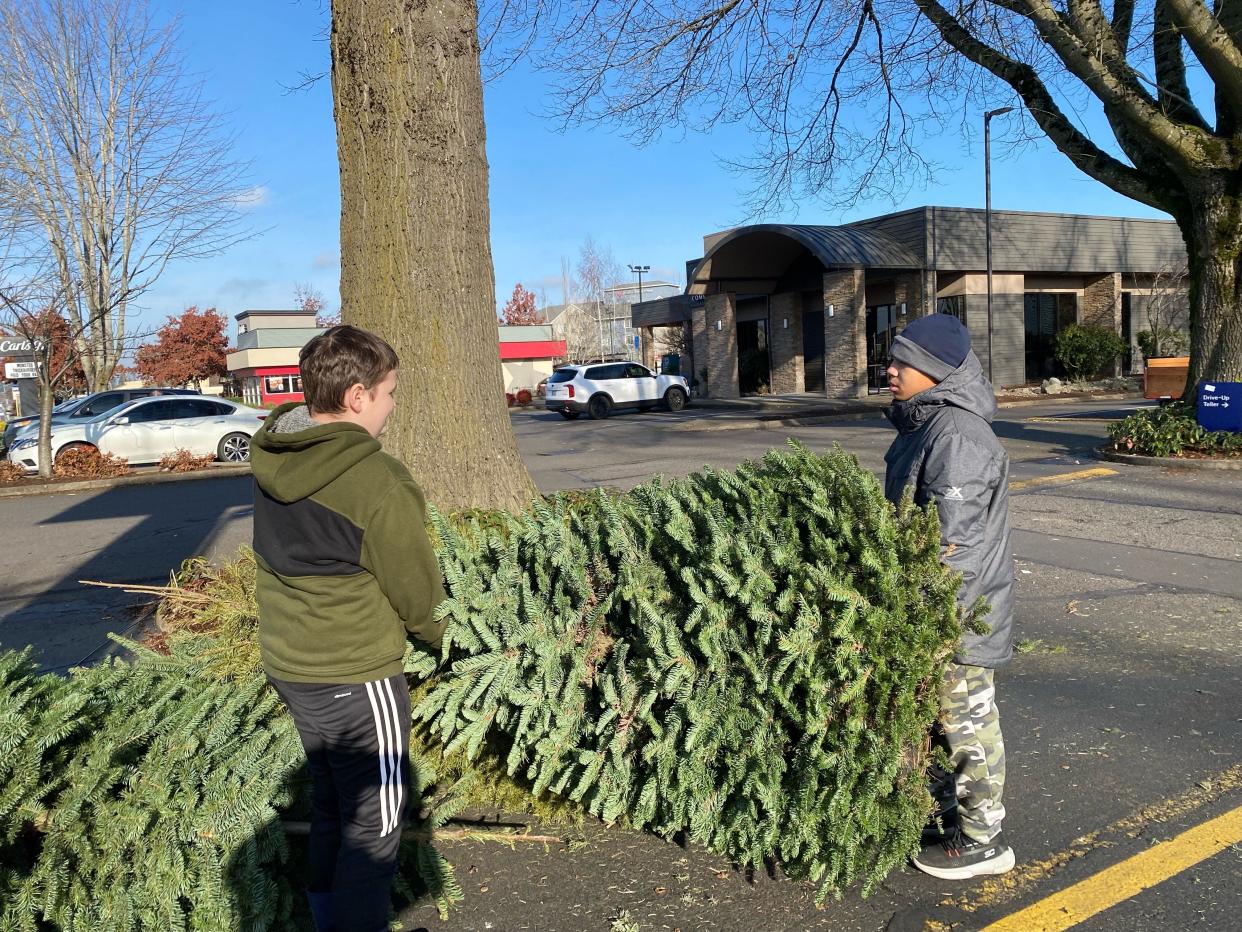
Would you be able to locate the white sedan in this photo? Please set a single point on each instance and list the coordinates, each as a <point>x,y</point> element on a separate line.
<point>146,430</point>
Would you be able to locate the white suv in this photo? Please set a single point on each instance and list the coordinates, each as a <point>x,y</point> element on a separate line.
<point>597,389</point>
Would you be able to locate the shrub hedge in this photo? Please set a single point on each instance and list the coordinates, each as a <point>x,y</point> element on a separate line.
<point>1171,430</point>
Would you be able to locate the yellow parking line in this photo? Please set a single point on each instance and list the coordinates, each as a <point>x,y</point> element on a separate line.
<point>1122,881</point>
<point>1096,472</point>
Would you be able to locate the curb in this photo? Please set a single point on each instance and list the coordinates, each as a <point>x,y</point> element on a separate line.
<point>1075,399</point>
<point>1175,462</point>
<point>781,423</point>
<point>149,478</point>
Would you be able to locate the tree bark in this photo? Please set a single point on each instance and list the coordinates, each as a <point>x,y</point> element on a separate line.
<point>1212,227</point>
<point>416,263</point>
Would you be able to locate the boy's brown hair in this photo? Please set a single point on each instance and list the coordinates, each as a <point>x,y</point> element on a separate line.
<point>338,358</point>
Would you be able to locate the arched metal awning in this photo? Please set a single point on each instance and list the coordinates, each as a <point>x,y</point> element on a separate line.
<point>754,258</point>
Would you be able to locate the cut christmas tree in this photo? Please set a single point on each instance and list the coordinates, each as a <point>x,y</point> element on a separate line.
<point>749,657</point>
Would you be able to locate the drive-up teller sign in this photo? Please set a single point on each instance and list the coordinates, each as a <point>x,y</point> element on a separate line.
<point>1220,406</point>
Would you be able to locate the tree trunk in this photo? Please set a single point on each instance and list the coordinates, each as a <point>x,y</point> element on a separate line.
<point>46,402</point>
<point>1212,228</point>
<point>416,264</point>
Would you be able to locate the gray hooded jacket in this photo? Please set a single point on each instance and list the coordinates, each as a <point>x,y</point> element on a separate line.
<point>946,449</point>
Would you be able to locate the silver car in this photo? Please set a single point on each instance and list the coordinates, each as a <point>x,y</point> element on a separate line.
<point>144,431</point>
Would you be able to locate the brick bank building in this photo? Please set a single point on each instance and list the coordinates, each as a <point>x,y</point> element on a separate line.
<point>792,309</point>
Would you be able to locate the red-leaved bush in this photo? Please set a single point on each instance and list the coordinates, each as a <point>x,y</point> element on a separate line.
<point>89,463</point>
<point>185,461</point>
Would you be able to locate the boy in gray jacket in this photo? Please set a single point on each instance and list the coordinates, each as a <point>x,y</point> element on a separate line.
<point>946,450</point>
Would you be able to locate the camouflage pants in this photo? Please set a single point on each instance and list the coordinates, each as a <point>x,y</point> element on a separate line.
<point>976,748</point>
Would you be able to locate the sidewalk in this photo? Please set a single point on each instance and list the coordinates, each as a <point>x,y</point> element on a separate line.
<point>760,411</point>
<point>139,475</point>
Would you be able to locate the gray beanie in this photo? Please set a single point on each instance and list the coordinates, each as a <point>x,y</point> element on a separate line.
<point>935,345</point>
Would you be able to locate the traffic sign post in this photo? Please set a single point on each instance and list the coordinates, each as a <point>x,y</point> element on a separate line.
<point>1220,406</point>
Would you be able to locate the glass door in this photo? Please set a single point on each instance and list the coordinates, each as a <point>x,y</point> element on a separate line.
<point>882,327</point>
<point>1044,314</point>
<point>813,341</point>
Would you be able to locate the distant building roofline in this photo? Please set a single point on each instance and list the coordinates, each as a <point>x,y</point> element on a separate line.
<point>1016,213</point>
<point>273,313</point>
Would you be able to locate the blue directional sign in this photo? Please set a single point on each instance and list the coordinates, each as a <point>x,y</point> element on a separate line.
<point>1220,406</point>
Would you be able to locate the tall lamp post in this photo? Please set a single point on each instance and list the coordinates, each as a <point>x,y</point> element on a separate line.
<point>987,216</point>
<point>639,270</point>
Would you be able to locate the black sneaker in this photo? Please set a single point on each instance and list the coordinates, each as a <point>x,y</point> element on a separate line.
<point>961,858</point>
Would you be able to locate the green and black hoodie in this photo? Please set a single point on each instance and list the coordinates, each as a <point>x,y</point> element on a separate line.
<point>345,567</point>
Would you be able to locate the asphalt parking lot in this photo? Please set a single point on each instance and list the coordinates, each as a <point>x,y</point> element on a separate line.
<point>1121,710</point>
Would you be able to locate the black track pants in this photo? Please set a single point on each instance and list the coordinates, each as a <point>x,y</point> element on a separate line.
<point>356,738</point>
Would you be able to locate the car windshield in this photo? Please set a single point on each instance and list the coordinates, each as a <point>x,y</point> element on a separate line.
<point>123,407</point>
<point>66,406</point>
<point>563,375</point>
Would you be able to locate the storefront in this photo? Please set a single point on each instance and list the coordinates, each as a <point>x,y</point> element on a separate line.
<point>791,309</point>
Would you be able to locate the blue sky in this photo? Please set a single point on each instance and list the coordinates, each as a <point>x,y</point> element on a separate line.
<point>549,190</point>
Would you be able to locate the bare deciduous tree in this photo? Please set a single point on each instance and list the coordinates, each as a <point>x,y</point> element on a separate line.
<point>33,311</point>
<point>1165,314</point>
<point>110,160</point>
<point>598,269</point>
<point>842,94</point>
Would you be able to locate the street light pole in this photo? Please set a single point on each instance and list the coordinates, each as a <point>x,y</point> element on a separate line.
<point>639,270</point>
<point>987,217</point>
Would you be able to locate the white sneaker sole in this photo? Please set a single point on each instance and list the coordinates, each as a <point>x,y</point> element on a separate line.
<point>1000,865</point>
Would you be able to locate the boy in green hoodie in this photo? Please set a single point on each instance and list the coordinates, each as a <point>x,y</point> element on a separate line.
<point>345,571</point>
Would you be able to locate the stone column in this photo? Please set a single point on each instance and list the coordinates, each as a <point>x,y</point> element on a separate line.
<point>785,343</point>
<point>720,317</point>
<point>648,347</point>
<point>1101,302</point>
<point>1101,306</point>
<point>693,368</point>
<point>927,278</point>
<point>845,343</point>
<point>908,290</point>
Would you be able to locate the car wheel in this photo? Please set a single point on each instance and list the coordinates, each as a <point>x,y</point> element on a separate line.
<point>599,407</point>
<point>675,398</point>
<point>72,446</point>
<point>570,415</point>
<point>234,448</point>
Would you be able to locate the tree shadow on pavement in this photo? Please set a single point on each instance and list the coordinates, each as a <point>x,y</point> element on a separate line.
<point>164,524</point>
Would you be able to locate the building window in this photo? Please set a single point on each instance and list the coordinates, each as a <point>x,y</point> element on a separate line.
<point>282,384</point>
<point>954,306</point>
<point>1045,314</point>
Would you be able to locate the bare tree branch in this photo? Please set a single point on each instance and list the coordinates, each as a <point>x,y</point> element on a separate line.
<point>1173,91</point>
<point>1213,46</point>
<point>111,156</point>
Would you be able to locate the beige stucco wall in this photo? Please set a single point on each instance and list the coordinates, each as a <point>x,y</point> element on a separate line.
<point>525,373</point>
<point>978,284</point>
<point>257,320</point>
<point>254,358</point>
